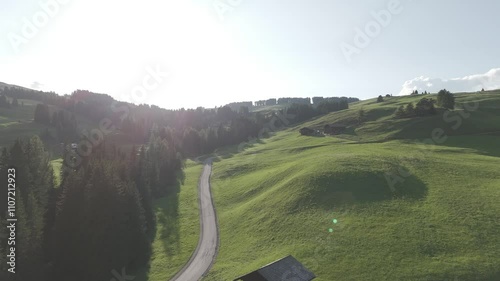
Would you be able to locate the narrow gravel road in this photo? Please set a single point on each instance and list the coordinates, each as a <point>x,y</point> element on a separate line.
<point>204,255</point>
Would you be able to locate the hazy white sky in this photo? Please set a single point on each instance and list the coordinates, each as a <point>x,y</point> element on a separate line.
<point>218,51</point>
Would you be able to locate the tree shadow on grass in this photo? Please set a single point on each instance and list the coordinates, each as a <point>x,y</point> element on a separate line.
<point>484,144</point>
<point>167,211</point>
<point>167,226</point>
<point>168,223</point>
<point>363,188</point>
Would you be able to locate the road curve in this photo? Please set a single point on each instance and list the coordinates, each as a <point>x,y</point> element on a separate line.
<point>206,251</point>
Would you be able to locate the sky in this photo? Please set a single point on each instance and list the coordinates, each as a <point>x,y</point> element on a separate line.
<point>189,53</point>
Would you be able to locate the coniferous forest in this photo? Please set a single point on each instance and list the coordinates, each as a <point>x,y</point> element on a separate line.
<point>100,216</point>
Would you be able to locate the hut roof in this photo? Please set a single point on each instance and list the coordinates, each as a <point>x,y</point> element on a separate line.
<point>276,271</point>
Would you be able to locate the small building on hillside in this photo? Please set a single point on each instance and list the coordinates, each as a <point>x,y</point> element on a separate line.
<point>334,129</point>
<point>287,268</point>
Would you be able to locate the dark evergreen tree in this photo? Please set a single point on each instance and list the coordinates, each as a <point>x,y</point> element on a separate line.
<point>410,110</point>
<point>446,99</point>
<point>100,223</point>
<point>400,112</point>
<point>424,107</point>
<point>42,114</point>
<point>3,101</point>
<point>34,183</point>
<point>141,178</point>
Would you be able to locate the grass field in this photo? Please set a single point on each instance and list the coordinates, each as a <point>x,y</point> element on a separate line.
<point>18,123</point>
<point>178,228</point>
<point>57,165</point>
<point>404,210</point>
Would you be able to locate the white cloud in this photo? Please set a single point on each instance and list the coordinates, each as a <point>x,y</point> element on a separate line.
<point>36,85</point>
<point>489,81</point>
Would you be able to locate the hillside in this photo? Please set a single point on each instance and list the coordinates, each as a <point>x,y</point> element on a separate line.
<point>18,122</point>
<point>381,125</point>
<point>404,210</point>
<point>4,85</point>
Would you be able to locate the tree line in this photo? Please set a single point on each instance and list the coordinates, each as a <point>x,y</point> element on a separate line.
<point>426,106</point>
<point>4,102</point>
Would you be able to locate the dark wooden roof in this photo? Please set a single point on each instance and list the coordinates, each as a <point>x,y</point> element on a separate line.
<point>287,268</point>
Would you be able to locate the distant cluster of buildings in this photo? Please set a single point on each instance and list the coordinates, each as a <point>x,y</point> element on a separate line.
<point>282,101</point>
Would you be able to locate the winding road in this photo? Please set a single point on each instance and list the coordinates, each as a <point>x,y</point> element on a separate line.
<point>204,255</point>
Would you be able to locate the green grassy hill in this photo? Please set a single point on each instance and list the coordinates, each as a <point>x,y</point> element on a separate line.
<point>381,125</point>
<point>404,210</point>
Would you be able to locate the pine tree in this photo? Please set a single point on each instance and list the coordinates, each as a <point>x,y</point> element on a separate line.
<point>34,181</point>
<point>143,186</point>
<point>101,223</point>
<point>410,110</point>
<point>68,223</point>
<point>446,99</point>
<point>400,112</point>
<point>3,101</point>
<point>42,114</point>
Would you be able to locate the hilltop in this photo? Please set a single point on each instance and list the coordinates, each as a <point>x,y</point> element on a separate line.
<point>406,208</point>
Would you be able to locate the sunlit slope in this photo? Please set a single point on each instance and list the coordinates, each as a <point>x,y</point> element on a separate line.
<point>439,220</point>
<point>17,122</point>
<point>475,113</point>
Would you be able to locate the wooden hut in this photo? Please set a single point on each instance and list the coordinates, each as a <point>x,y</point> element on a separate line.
<point>287,268</point>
